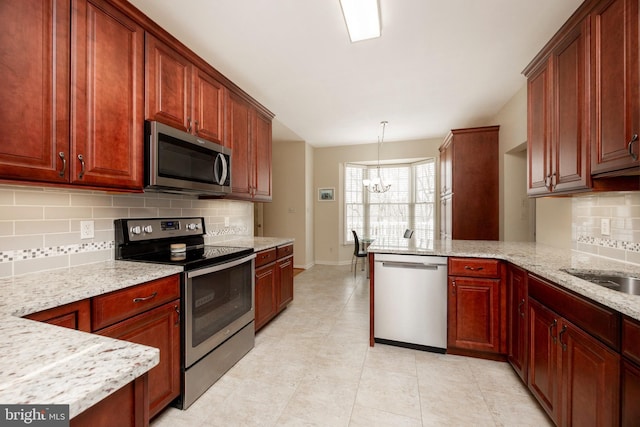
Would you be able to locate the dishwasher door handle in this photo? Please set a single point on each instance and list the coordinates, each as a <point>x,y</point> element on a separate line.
<point>417,265</point>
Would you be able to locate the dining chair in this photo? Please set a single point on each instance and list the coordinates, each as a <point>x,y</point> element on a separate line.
<point>357,253</point>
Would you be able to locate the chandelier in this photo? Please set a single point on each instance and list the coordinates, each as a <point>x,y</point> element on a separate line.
<point>376,185</point>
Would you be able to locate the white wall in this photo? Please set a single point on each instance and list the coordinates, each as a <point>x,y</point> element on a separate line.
<point>289,213</point>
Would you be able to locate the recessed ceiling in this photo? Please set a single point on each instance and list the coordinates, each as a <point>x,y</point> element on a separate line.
<point>439,64</point>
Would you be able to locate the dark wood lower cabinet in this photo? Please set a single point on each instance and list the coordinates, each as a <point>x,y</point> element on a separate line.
<point>159,328</point>
<point>543,376</point>
<point>517,320</point>
<point>574,376</point>
<point>630,411</point>
<point>265,299</point>
<point>273,283</point>
<point>127,407</point>
<point>75,315</point>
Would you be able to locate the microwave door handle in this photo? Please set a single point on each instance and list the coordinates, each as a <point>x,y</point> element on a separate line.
<point>220,175</point>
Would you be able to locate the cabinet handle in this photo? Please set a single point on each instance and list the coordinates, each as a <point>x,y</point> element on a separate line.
<point>554,181</point>
<point>81,158</point>
<point>177,309</point>
<point>453,288</point>
<point>521,313</point>
<point>64,163</point>
<point>468,267</point>
<point>564,329</point>
<point>551,326</point>
<point>196,122</point>
<point>142,299</point>
<point>633,155</point>
<point>189,124</point>
<point>546,182</point>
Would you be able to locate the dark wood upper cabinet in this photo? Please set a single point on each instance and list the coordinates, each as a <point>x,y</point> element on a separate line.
<point>558,144</point>
<point>181,94</point>
<point>615,81</point>
<point>34,65</point>
<point>107,91</point>
<point>469,165</point>
<point>249,137</point>
<point>72,94</point>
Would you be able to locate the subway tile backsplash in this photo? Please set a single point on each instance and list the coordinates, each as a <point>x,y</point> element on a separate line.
<point>40,226</point>
<point>622,210</point>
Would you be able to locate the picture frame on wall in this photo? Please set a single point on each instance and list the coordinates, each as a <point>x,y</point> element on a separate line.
<point>326,194</point>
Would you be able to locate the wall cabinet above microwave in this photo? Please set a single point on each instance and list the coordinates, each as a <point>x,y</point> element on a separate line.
<point>583,104</point>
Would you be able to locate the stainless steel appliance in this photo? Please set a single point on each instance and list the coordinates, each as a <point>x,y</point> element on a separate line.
<point>178,162</point>
<point>217,294</point>
<point>410,301</point>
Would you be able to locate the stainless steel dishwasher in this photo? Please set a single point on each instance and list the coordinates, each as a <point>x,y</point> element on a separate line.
<point>410,301</point>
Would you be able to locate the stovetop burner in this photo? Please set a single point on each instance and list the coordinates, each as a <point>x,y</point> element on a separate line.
<point>150,240</point>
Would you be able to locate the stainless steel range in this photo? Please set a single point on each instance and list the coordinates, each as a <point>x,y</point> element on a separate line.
<point>217,294</point>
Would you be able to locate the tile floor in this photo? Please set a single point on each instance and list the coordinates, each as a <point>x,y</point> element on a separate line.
<point>312,366</point>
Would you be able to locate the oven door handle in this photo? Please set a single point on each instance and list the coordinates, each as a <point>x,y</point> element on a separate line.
<point>219,267</point>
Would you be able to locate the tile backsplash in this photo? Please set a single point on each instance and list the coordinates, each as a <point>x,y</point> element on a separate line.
<point>40,226</point>
<point>622,210</point>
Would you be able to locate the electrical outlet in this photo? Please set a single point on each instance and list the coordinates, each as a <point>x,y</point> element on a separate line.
<point>605,226</point>
<point>226,221</point>
<point>86,230</point>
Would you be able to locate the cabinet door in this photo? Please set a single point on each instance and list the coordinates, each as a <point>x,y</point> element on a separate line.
<point>168,85</point>
<point>630,387</point>
<point>75,315</point>
<point>474,314</point>
<point>239,139</point>
<point>615,77</point>
<point>265,295</point>
<point>34,65</point>
<point>517,309</point>
<point>159,328</point>
<point>285,282</point>
<point>590,379</point>
<point>543,364</point>
<point>569,158</point>
<point>262,157</point>
<point>208,106</point>
<point>107,92</point>
<point>538,138</point>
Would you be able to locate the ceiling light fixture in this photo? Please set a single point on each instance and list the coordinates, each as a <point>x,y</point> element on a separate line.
<point>376,185</point>
<point>362,18</point>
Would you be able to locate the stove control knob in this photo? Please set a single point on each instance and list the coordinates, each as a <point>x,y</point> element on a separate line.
<point>193,226</point>
<point>147,229</point>
<point>136,230</point>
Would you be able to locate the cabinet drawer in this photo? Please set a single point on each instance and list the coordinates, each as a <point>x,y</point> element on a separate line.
<point>265,257</point>
<point>283,251</point>
<point>474,267</point>
<point>598,320</point>
<point>110,308</point>
<point>631,339</point>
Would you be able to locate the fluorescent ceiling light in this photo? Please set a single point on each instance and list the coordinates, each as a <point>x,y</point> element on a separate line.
<point>362,18</point>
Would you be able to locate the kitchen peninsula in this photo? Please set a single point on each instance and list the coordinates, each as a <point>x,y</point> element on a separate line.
<point>572,342</point>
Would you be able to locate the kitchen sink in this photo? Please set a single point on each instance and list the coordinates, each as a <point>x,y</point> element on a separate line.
<point>617,282</point>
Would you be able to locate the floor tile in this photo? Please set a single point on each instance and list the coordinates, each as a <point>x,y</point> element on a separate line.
<point>312,366</point>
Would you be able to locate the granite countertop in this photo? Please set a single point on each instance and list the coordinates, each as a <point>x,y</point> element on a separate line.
<point>542,260</point>
<point>46,364</point>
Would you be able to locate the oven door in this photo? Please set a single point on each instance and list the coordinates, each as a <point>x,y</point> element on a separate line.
<point>219,301</point>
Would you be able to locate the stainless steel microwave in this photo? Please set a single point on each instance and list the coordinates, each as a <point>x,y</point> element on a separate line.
<point>178,162</point>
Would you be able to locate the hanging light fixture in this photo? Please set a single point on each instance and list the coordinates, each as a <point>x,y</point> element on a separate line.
<point>376,185</point>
